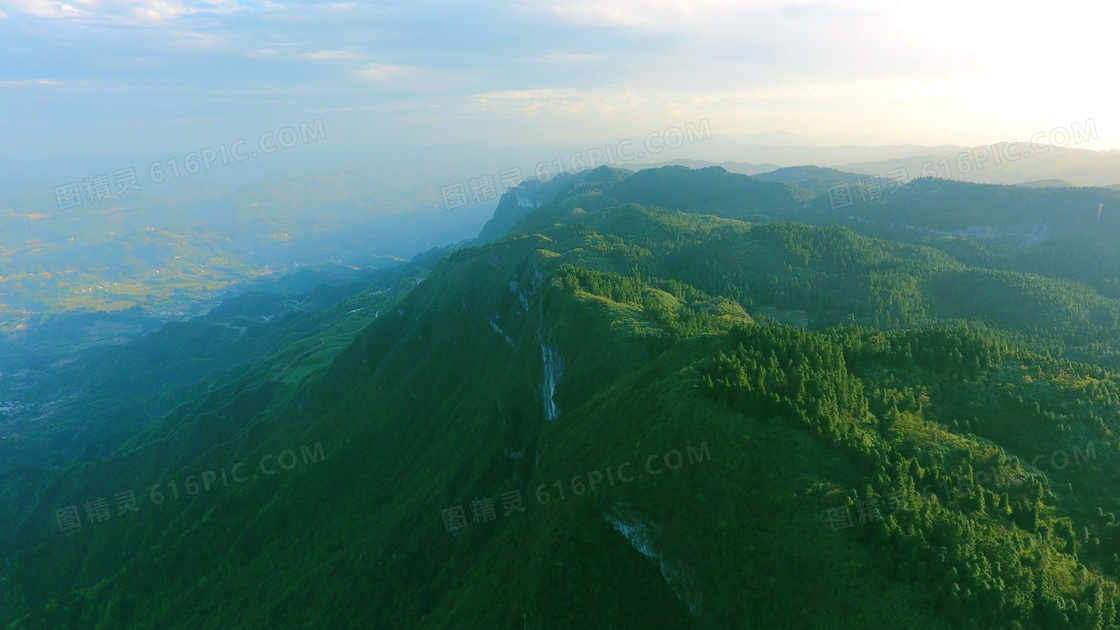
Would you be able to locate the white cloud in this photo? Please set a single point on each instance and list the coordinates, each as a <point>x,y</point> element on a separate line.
<point>640,14</point>
<point>46,83</point>
<point>3,16</point>
<point>557,103</point>
<point>682,15</point>
<point>143,11</point>
<point>195,41</point>
<point>382,72</point>
<point>568,58</point>
<point>159,10</point>
<point>45,8</point>
<point>333,55</point>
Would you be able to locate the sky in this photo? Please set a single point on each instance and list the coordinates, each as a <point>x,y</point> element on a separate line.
<point>93,77</point>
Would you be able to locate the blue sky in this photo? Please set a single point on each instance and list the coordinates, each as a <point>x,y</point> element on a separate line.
<point>91,77</point>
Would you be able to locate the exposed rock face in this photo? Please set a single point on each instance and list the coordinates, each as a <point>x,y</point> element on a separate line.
<point>641,533</point>
<point>553,370</point>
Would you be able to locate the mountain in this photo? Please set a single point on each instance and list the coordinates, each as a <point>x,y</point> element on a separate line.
<point>523,199</point>
<point>742,168</point>
<point>1003,162</point>
<point>1047,183</point>
<point>674,398</point>
<point>710,189</point>
<point>816,179</point>
<point>1055,232</point>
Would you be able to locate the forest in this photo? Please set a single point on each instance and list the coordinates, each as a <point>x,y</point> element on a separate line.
<point>903,428</point>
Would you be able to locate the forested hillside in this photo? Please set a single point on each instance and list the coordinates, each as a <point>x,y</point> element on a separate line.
<point>673,399</point>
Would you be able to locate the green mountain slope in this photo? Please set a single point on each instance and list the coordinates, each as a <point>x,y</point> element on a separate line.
<point>816,179</point>
<point>705,423</point>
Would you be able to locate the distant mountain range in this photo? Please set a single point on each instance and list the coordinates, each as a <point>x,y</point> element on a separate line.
<point>989,164</point>
<point>1048,183</point>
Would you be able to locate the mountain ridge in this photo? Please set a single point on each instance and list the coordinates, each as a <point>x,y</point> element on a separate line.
<point>898,382</point>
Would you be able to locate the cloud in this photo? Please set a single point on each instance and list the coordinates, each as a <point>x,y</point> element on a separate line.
<point>646,15</point>
<point>176,39</point>
<point>568,58</point>
<point>159,10</point>
<point>685,15</point>
<point>45,83</point>
<point>555,102</point>
<point>144,11</point>
<point>3,16</point>
<point>45,8</point>
<point>333,55</point>
<point>632,14</point>
<point>382,72</point>
<point>822,10</point>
